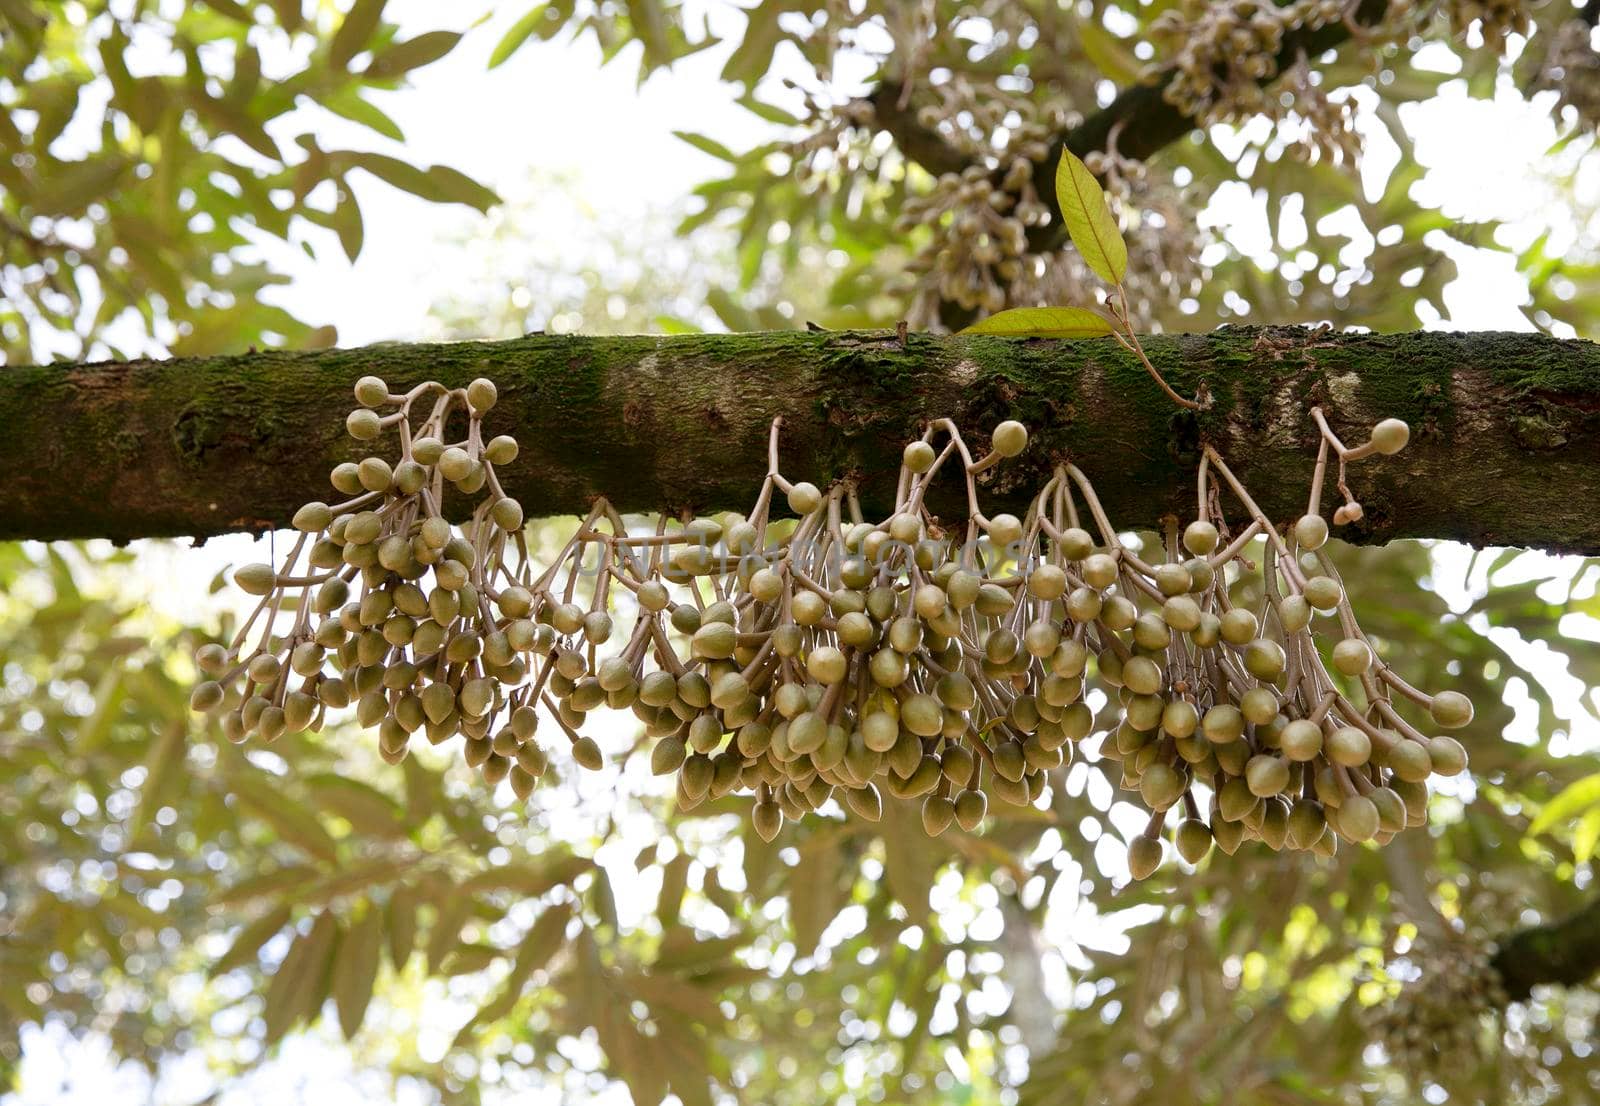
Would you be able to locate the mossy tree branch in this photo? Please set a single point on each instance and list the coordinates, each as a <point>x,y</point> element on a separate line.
<point>1505,450</point>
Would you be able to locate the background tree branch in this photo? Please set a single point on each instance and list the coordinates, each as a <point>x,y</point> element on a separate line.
<point>1565,952</point>
<point>1505,426</point>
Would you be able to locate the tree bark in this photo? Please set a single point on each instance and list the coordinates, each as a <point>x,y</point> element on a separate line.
<point>1505,447</point>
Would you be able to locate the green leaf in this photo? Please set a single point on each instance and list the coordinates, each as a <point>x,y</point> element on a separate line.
<point>347,102</point>
<point>356,31</point>
<point>1043,322</point>
<point>1089,220</point>
<point>250,939</point>
<point>707,145</point>
<point>402,911</point>
<point>1578,796</point>
<point>513,39</point>
<point>356,970</point>
<point>541,943</point>
<point>1586,836</point>
<point>413,53</point>
<point>299,979</point>
<point>454,186</point>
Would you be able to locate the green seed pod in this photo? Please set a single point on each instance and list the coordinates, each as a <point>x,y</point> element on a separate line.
<point>271,725</point>
<point>1084,605</point>
<point>1151,632</point>
<point>668,756</point>
<point>865,802</point>
<point>888,668</point>
<point>937,814</point>
<point>1264,659</point>
<point>1448,756</point>
<point>1357,819</point>
<point>767,819</point>
<point>1193,840</point>
<point>1181,613</point>
<point>1009,439</point>
<point>807,732</point>
<point>1311,532</point>
<point>955,690</point>
<point>1352,656</point>
<point>1323,592</point>
<point>879,731</point>
<point>1409,761</point>
<point>705,733</point>
<point>456,464</point>
<point>1005,531</point>
<point>918,457</point>
<point>1179,718</point>
<point>1222,724</point>
<point>1451,710</point>
<point>371,391</point>
<point>507,514</point>
<point>1349,746</point>
<point>501,450</point>
<point>1239,626</point>
<point>1161,785</point>
<point>207,695</point>
<point>922,715</point>
<point>587,754</point>
<point>1099,571</point>
<point>1235,800</point>
<point>856,631</point>
<point>1119,612</point>
<point>375,474</point>
<point>1301,740</point>
<point>1295,613</point>
<point>803,498</point>
<point>1144,857</point>
<point>1259,706</point>
<point>1142,676</point>
<point>363,424</point>
<point>255,579</point>
<point>1172,579</point>
<point>1390,436</point>
<point>1076,544</point>
<point>427,451</point>
<point>1200,538</point>
<point>1266,775</point>
<point>1069,659</point>
<point>826,664</point>
<point>481,395</point>
<point>313,518</point>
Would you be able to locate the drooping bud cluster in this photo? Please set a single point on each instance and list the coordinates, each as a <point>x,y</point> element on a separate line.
<point>803,652</point>
<point>1496,19</point>
<point>1224,52</point>
<point>1433,1027</point>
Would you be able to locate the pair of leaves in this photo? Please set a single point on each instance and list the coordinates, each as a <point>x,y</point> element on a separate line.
<point>1093,230</point>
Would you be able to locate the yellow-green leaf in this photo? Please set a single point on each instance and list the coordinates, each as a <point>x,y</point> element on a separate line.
<point>299,979</point>
<point>1579,796</point>
<point>518,34</point>
<point>250,939</point>
<point>1089,220</point>
<point>356,30</point>
<point>402,926</point>
<point>356,970</point>
<point>413,53</point>
<point>1043,322</point>
<point>1586,836</point>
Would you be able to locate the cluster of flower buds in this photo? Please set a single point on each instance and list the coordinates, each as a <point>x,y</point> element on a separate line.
<point>1224,53</point>
<point>812,653</point>
<point>1434,1026</point>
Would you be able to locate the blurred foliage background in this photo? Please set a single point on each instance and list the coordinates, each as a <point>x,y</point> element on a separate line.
<point>215,918</point>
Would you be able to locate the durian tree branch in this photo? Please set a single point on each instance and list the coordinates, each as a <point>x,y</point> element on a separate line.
<point>1565,952</point>
<point>1505,449</point>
